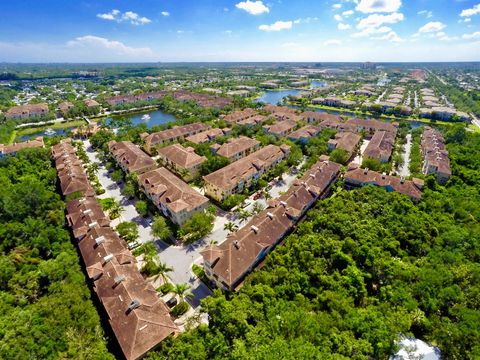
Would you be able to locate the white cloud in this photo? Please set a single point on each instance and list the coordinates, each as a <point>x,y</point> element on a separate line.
<point>128,16</point>
<point>432,26</point>
<point>277,26</point>
<point>253,7</point>
<point>338,17</point>
<point>470,12</point>
<point>165,13</point>
<point>371,6</point>
<point>332,42</point>
<point>376,20</point>
<point>95,44</point>
<point>347,13</point>
<point>342,26</point>
<point>390,36</point>
<point>336,6</point>
<point>372,31</point>
<point>427,13</point>
<point>475,35</point>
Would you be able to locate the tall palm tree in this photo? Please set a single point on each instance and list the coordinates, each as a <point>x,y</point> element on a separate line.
<point>244,215</point>
<point>181,291</point>
<point>161,270</point>
<point>230,226</point>
<point>116,210</point>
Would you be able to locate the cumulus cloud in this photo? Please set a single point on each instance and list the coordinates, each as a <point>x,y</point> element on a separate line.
<point>332,42</point>
<point>390,36</point>
<point>376,20</point>
<point>347,13</point>
<point>253,7</point>
<point>95,44</point>
<point>432,26</point>
<point>427,13</point>
<point>277,26</point>
<point>338,17</point>
<point>372,31</point>
<point>336,6</point>
<point>372,6</point>
<point>342,26</point>
<point>475,35</point>
<point>471,11</point>
<point>128,16</point>
<point>165,13</point>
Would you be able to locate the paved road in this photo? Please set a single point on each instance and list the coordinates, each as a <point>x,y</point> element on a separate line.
<point>180,258</point>
<point>404,170</point>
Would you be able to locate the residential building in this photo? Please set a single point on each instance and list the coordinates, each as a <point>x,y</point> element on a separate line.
<point>65,107</point>
<point>203,100</point>
<point>14,148</point>
<point>26,111</point>
<point>380,146</point>
<point>305,133</point>
<point>130,99</point>
<point>239,115</point>
<point>228,264</point>
<point>182,161</point>
<point>176,133</point>
<point>207,135</point>
<point>234,178</point>
<point>281,128</point>
<point>369,126</point>
<point>347,141</point>
<point>356,176</point>
<point>236,148</point>
<point>130,157</point>
<point>281,113</point>
<point>90,103</point>
<point>435,155</point>
<point>334,102</point>
<point>173,197</point>
<point>318,117</point>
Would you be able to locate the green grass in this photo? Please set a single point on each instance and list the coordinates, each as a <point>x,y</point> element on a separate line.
<point>474,128</point>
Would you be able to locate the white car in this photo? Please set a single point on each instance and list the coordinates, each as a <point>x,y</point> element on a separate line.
<point>133,245</point>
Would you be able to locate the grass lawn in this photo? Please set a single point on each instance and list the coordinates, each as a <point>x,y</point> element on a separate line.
<point>474,128</point>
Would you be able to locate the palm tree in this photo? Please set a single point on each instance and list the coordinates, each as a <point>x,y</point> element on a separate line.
<point>181,291</point>
<point>257,207</point>
<point>244,215</point>
<point>116,210</point>
<point>230,226</point>
<point>267,195</point>
<point>161,270</point>
<point>94,167</point>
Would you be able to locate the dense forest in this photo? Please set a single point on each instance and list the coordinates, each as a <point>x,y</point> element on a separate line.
<point>364,267</point>
<point>45,306</point>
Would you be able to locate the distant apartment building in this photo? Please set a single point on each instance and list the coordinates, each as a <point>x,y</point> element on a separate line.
<point>236,148</point>
<point>347,141</point>
<point>239,115</point>
<point>281,113</point>
<point>176,133</point>
<point>380,146</point>
<point>130,157</point>
<point>234,178</point>
<point>356,176</point>
<point>281,128</point>
<point>90,103</point>
<point>207,135</point>
<point>227,264</point>
<point>14,148</point>
<point>435,155</point>
<point>182,161</point>
<point>27,111</point>
<point>368,126</point>
<point>65,107</point>
<point>173,197</point>
<point>304,134</point>
<point>334,102</point>
<point>131,99</point>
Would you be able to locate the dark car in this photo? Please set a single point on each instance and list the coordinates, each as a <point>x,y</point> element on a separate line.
<point>172,302</point>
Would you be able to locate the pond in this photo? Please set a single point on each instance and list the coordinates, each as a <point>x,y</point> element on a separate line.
<point>44,133</point>
<point>275,96</point>
<point>317,84</point>
<point>153,118</point>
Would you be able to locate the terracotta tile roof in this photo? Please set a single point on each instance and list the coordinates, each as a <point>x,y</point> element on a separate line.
<point>240,115</point>
<point>232,174</point>
<point>130,156</point>
<point>65,106</point>
<point>305,132</point>
<point>203,100</point>
<point>128,99</point>
<point>371,125</point>
<point>14,148</point>
<point>346,141</point>
<point>172,192</point>
<point>183,157</point>
<point>236,145</point>
<point>207,135</point>
<point>360,177</point>
<point>27,110</point>
<point>321,116</point>
<point>174,133</point>
<point>91,103</point>
<point>434,150</point>
<point>242,250</point>
<point>381,145</point>
<point>281,127</point>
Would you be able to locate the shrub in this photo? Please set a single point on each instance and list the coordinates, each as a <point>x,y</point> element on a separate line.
<point>128,230</point>
<point>165,288</point>
<point>180,309</point>
<point>141,207</point>
<point>232,201</point>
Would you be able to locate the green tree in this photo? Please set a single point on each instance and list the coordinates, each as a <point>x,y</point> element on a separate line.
<point>142,208</point>
<point>128,230</point>
<point>160,229</point>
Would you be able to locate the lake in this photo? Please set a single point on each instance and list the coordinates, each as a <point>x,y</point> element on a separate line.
<point>52,132</point>
<point>275,96</point>
<point>153,118</point>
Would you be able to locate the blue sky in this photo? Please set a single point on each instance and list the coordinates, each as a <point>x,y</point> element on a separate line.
<point>240,30</point>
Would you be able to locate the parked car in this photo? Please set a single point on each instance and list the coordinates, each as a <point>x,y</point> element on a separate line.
<point>172,302</point>
<point>257,196</point>
<point>245,204</point>
<point>133,245</point>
